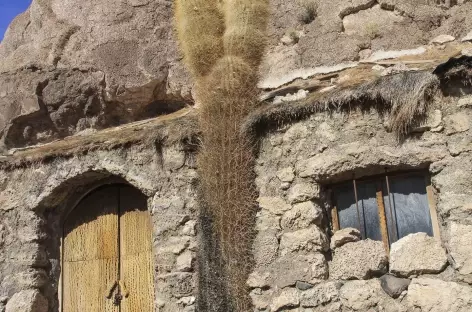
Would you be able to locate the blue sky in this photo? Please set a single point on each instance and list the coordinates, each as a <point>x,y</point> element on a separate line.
<point>8,10</point>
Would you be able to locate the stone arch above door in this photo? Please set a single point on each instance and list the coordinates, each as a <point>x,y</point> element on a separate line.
<point>107,262</point>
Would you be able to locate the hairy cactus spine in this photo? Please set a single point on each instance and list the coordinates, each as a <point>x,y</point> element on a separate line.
<point>223,42</point>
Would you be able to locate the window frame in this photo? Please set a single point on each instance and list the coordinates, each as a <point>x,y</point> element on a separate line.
<point>380,195</point>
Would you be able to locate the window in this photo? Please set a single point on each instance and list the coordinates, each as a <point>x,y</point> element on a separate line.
<point>386,208</point>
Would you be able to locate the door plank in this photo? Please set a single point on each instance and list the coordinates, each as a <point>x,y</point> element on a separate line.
<point>84,289</point>
<point>136,251</point>
<point>90,253</point>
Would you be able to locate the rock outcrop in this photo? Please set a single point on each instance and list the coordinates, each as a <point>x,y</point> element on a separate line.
<point>66,66</point>
<point>70,65</point>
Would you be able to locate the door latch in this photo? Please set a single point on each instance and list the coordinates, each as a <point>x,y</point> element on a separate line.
<point>122,291</point>
<point>117,299</point>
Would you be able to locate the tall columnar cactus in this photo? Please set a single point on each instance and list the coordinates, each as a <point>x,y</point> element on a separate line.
<point>223,42</point>
<point>200,27</point>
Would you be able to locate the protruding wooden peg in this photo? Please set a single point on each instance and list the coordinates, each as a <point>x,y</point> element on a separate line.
<point>124,291</point>
<point>112,289</point>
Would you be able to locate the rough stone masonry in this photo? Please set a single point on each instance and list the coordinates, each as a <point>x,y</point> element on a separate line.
<point>299,267</point>
<point>65,71</point>
<point>30,231</point>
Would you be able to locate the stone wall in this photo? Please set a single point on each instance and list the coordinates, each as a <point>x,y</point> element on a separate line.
<point>33,200</point>
<point>302,266</point>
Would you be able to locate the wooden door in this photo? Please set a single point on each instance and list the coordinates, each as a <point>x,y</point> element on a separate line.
<point>136,251</point>
<point>90,253</point>
<point>107,239</point>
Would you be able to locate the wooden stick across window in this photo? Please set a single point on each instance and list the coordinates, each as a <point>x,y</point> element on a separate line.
<point>335,219</point>
<point>433,212</point>
<point>390,206</point>
<point>357,208</point>
<point>382,218</point>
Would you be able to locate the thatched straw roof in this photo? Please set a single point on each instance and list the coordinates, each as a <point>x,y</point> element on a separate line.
<point>165,130</point>
<point>403,98</point>
<point>456,69</point>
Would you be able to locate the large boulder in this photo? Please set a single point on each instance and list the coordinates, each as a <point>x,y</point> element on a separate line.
<point>359,260</point>
<point>70,65</point>
<point>417,254</point>
<point>123,60</point>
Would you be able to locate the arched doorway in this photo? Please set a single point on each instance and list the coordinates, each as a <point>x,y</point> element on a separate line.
<point>107,261</point>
